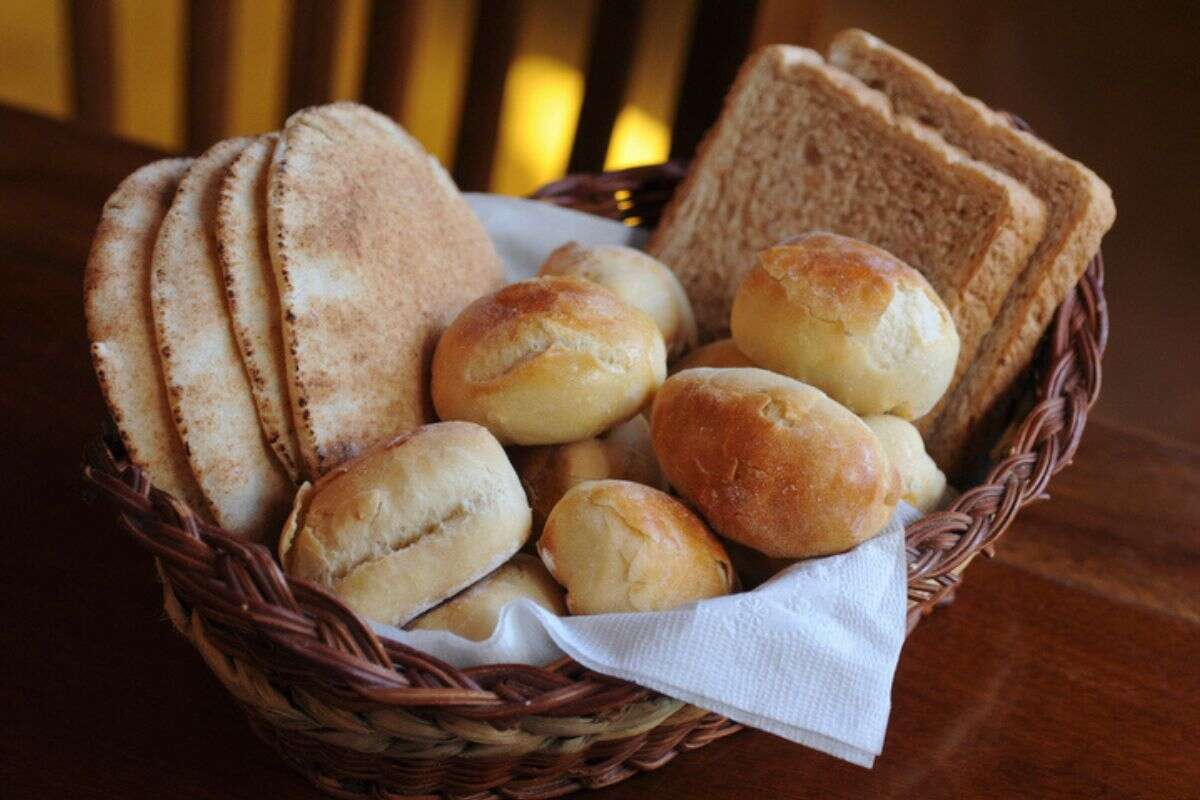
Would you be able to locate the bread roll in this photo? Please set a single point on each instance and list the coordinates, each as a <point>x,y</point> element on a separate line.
<point>640,280</point>
<point>921,482</point>
<point>620,546</point>
<point>548,472</point>
<point>850,319</point>
<point>473,613</point>
<point>409,523</point>
<point>547,361</point>
<point>771,462</point>
<point>721,353</point>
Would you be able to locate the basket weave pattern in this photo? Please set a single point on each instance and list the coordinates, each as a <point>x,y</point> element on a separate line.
<point>361,717</point>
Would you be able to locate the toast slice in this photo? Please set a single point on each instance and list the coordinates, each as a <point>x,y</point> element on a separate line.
<point>800,146</point>
<point>244,485</point>
<point>1079,210</point>
<point>253,301</point>
<point>120,326</point>
<point>374,251</point>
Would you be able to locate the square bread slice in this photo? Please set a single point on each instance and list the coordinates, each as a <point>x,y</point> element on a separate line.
<point>800,146</point>
<point>1079,210</point>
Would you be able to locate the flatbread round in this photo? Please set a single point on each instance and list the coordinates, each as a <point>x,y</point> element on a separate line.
<point>253,301</point>
<point>116,297</point>
<point>246,489</point>
<point>374,252</point>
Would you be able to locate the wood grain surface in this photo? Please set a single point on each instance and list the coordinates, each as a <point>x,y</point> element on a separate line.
<point>1066,668</point>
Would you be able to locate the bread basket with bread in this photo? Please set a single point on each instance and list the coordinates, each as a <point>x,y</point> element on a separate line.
<point>251,331</point>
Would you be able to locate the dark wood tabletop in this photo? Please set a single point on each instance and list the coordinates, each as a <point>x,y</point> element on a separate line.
<point>1069,666</point>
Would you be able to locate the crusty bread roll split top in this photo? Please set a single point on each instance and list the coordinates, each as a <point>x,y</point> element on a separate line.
<point>547,361</point>
<point>409,523</point>
<point>850,319</point>
<point>620,546</point>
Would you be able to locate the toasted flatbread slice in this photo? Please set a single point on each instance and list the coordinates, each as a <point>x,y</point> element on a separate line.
<point>120,326</point>
<point>245,488</point>
<point>802,146</point>
<point>1079,209</point>
<point>375,251</point>
<point>253,300</point>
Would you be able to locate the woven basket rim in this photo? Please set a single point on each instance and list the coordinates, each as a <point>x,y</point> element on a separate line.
<point>237,605</point>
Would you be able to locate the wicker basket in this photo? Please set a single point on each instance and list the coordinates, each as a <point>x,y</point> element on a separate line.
<point>360,717</point>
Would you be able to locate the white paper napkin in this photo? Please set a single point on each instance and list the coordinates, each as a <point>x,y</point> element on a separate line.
<point>809,656</point>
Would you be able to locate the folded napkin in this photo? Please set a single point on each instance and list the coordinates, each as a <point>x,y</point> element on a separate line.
<point>808,656</point>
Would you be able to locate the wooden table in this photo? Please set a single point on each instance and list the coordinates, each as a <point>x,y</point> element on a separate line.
<point>1069,666</point>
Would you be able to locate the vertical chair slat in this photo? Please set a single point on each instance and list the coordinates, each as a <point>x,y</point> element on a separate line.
<point>209,33</point>
<point>315,28</point>
<point>610,59</point>
<point>93,69</point>
<point>720,40</point>
<point>389,56</point>
<point>493,43</point>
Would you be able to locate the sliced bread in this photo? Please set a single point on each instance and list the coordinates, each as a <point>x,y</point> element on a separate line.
<point>1079,210</point>
<point>800,146</point>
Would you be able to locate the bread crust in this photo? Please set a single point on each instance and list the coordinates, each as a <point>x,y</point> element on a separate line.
<point>547,361</point>
<point>1079,209</point>
<point>641,281</point>
<point>374,252</point>
<point>474,612</point>
<point>620,546</point>
<point>760,176</point>
<point>120,326</point>
<point>850,319</point>
<point>245,260</point>
<point>409,522</point>
<point>771,462</point>
<point>244,486</point>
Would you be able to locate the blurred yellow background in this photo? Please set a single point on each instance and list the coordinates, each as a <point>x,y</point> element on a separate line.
<point>543,90</point>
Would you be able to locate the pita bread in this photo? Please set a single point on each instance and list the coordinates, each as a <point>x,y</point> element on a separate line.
<point>116,298</point>
<point>375,251</point>
<point>253,301</point>
<point>245,487</point>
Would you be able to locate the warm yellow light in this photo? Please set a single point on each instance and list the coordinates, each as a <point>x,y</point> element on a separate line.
<point>542,97</point>
<point>638,138</point>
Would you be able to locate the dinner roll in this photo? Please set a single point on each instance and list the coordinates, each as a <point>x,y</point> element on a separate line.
<point>547,361</point>
<point>771,462</point>
<point>473,613</point>
<point>852,320</point>
<point>620,546</point>
<point>547,472</point>
<point>921,482</point>
<point>721,353</point>
<point>409,523</point>
<point>638,279</point>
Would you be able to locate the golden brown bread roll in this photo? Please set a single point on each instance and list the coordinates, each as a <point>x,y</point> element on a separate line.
<point>852,320</point>
<point>921,482</point>
<point>547,361</point>
<point>640,280</point>
<point>547,472</point>
<point>409,523</point>
<point>474,612</point>
<point>719,354</point>
<point>771,462</point>
<point>620,546</point>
